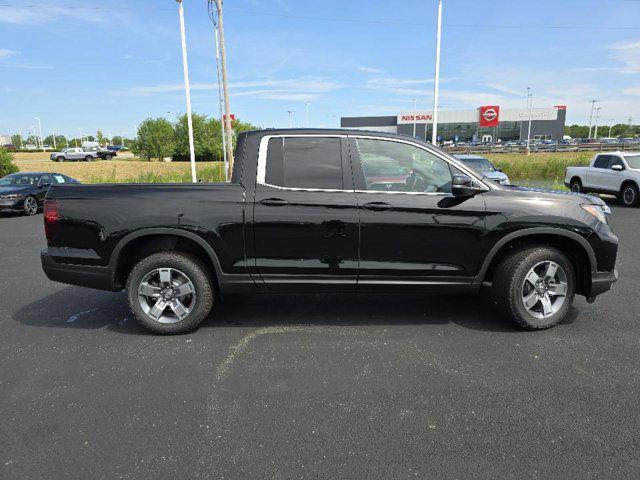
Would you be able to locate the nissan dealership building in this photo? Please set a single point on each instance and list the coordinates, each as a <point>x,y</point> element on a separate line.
<point>488,123</point>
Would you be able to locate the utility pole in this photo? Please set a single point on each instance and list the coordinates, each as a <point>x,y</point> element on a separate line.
<point>223,62</point>
<point>530,106</point>
<point>436,82</point>
<point>221,106</point>
<point>597,117</point>
<point>290,112</point>
<point>307,114</point>
<point>415,106</point>
<point>187,91</point>
<point>55,146</point>
<point>593,104</point>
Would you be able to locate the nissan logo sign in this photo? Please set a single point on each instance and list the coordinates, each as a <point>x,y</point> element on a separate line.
<point>490,114</point>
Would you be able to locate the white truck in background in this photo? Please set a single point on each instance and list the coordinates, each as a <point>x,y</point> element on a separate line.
<point>613,173</point>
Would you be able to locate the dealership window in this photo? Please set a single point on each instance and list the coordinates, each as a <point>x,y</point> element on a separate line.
<point>399,167</point>
<point>304,162</point>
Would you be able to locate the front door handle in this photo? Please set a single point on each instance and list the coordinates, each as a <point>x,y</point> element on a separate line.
<point>274,202</point>
<point>377,206</point>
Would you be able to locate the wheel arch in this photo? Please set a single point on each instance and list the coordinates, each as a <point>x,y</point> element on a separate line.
<point>629,181</point>
<point>141,243</point>
<point>570,243</point>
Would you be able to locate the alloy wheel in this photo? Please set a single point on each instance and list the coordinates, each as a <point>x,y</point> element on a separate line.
<point>30,206</point>
<point>629,195</point>
<point>544,289</point>
<point>166,295</point>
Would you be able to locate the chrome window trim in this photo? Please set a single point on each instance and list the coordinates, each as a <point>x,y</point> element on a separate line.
<point>262,164</point>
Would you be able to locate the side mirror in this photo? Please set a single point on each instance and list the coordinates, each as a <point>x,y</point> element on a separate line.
<point>462,186</point>
<point>617,167</point>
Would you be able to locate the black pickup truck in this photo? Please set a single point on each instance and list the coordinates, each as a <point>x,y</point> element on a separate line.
<point>317,210</point>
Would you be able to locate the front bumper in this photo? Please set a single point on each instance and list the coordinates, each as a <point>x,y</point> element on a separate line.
<point>601,282</point>
<point>12,205</point>
<point>90,276</point>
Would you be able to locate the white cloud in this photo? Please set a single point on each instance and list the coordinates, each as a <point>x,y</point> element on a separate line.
<point>293,89</point>
<point>632,91</point>
<point>48,14</point>
<point>7,53</point>
<point>628,53</point>
<point>371,70</point>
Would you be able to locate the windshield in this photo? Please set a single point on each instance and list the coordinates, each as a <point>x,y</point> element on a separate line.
<point>479,164</point>
<point>19,180</point>
<point>633,161</point>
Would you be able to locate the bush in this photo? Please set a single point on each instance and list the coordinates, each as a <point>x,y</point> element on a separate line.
<point>6,163</point>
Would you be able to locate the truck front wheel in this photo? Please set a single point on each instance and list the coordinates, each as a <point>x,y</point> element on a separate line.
<point>629,195</point>
<point>534,287</point>
<point>170,292</point>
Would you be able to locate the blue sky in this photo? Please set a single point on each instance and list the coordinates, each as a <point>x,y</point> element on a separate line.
<point>84,64</point>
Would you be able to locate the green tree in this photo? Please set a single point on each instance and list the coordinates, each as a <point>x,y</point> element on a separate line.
<point>16,140</point>
<point>203,139</point>
<point>6,163</point>
<point>155,139</point>
<point>100,138</point>
<point>60,141</point>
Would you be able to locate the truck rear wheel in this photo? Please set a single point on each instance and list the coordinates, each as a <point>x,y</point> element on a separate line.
<point>170,292</point>
<point>576,185</point>
<point>534,287</point>
<point>88,158</point>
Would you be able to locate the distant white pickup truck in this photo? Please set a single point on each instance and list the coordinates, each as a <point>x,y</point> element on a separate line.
<point>614,173</point>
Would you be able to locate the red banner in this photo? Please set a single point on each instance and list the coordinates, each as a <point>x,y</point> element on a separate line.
<point>489,116</point>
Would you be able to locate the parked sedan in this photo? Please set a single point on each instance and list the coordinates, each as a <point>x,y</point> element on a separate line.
<point>24,192</point>
<point>484,166</point>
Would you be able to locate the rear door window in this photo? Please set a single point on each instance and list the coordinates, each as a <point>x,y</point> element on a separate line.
<point>304,162</point>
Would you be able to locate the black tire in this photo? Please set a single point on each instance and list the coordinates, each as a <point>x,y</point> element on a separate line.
<point>509,284</point>
<point>30,206</point>
<point>629,195</point>
<point>88,158</point>
<point>576,185</point>
<point>108,157</point>
<point>60,159</point>
<point>193,270</point>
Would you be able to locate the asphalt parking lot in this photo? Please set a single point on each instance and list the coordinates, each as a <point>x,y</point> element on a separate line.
<point>325,386</point>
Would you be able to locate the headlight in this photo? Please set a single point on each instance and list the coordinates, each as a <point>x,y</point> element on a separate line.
<point>14,196</point>
<point>598,211</point>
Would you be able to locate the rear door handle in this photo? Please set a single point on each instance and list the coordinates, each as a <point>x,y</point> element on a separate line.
<point>377,206</point>
<point>274,202</point>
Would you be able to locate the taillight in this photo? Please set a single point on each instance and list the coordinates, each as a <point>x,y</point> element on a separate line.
<point>51,215</point>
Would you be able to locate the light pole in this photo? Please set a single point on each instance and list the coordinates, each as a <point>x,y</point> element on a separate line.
<point>415,106</point>
<point>20,133</point>
<point>39,133</point>
<point>436,80</point>
<point>593,104</point>
<point>595,135</point>
<point>290,112</point>
<point>307,114</point>
<point>187,91</point>
<point>610,126</point>
<point>55,145</point>
<point>530,106</point>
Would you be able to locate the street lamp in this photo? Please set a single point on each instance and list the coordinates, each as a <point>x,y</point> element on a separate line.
<point>307,113</point>
<point>290,112</point>
<point>593,104</point>
<point>436,80</point>
<point>187,91</point>
<point>39,132</point>
<point>530,106</point>
<point>610,126</point>
<point>597,109</point>
<point>415,107</point>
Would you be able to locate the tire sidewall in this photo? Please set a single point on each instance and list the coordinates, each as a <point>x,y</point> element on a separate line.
<point>193,269</point>
<point>24,206</point>
<point>576,183</point>
<point>634,202</point>
<point>519,274</point>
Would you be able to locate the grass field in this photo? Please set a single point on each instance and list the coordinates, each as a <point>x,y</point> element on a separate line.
<point>539,169</point>
<point>127,171</point>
